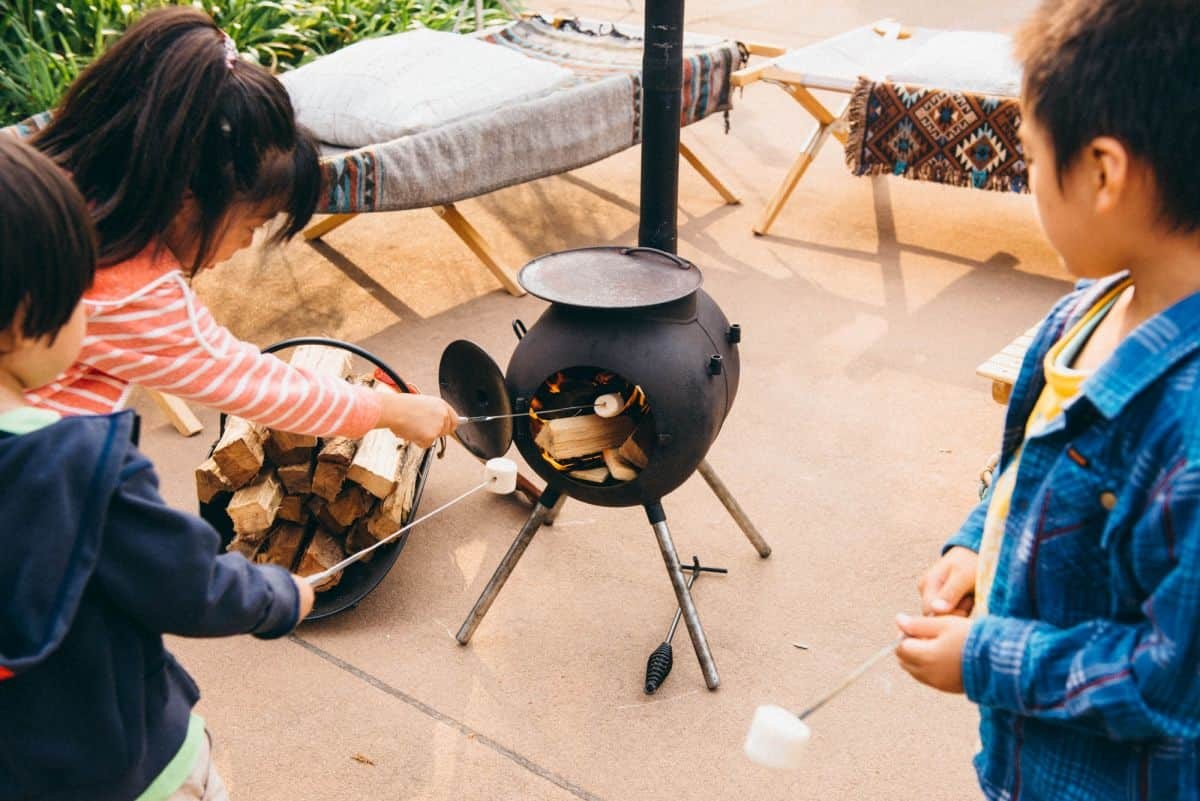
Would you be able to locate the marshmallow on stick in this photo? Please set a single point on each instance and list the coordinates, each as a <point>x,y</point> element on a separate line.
<point>777,738</point>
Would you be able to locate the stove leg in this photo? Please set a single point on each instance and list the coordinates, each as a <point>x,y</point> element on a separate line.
<point>658,519</point>
<point>735,509</point>
<point>546,508</point>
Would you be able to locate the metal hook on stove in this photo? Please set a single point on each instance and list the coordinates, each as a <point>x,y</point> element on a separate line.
<point>519,328</point>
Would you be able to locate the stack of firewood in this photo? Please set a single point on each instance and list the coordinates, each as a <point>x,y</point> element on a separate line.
<point>306,503</point>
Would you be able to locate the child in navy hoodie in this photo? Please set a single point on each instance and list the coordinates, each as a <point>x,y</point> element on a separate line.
<point>94,566</point>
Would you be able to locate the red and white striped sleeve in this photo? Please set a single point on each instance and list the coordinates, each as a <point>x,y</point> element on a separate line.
<point>162,337</point>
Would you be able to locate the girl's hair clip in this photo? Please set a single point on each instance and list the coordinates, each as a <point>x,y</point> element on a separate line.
<point>231,51</point>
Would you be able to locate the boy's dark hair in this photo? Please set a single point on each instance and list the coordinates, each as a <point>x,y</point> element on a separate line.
<point>1129,69</point>
<point>47,245</point>
<point>167,110</point>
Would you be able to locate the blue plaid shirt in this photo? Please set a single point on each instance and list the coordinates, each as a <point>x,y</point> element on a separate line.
<point>1087,669</point>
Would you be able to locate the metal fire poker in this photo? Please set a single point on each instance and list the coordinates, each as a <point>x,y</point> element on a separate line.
<point>658,666</point>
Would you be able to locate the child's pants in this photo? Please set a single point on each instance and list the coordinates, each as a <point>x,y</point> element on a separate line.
<point>204,784</point>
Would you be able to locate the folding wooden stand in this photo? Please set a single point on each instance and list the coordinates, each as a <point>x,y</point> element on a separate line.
<point>828,123</point>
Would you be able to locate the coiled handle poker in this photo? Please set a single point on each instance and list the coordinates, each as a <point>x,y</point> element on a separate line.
<point>661,660</point>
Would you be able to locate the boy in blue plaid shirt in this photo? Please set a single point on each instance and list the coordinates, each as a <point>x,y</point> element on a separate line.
<point>1082,567</point>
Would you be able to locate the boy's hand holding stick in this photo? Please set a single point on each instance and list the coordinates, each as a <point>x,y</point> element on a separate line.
<point>948,588</point>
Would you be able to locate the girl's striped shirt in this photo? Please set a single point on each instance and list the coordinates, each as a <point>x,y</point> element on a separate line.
<point>146,327</point>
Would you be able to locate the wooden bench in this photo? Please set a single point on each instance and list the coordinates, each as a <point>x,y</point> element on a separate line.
<point>1003,367</point>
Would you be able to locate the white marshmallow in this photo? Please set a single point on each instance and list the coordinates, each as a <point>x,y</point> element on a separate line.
<point>609,405</point>
<point>502,475</point>
<point>776,738</point>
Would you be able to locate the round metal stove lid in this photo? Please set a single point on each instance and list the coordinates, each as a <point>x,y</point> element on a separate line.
<point>472,383</point>
<point>611,277</point>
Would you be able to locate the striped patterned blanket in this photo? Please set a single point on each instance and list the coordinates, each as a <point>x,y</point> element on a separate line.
<point>591,117</point>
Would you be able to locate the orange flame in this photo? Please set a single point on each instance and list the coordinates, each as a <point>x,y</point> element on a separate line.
<point>535,405</point>
<point>555,384</point>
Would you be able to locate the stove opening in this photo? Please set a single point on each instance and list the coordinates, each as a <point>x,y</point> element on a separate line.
<point>593,425</point>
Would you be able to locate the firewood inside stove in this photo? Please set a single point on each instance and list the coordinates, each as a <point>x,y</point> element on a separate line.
<point>571,437</point>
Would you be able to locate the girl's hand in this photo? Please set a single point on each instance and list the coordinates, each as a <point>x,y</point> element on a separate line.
<point>948,588</point>
<point>418,418</point>
<point>307,595</point>
<point>932,650</point>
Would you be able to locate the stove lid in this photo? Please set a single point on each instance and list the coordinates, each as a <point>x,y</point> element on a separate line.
<point>611,277</point>
<point>472,383</point>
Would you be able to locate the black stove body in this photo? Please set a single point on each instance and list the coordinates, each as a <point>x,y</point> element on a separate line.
<point>634,316</point>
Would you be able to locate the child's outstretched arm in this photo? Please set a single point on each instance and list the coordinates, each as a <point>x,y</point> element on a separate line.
<point>162,337</point>
<point>162,568</point>
<point>1125,680</point>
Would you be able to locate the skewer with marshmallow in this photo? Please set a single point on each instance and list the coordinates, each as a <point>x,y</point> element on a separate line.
<point>499,477</point>
<point>778,736</point>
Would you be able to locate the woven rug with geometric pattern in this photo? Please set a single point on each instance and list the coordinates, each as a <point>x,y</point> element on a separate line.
<point>927,134</point>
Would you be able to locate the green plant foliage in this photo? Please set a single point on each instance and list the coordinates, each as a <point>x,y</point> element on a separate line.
<point>45,44</point>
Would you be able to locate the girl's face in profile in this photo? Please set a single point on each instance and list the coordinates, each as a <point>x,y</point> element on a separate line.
<point>237,230</point>
<point>235,233</point>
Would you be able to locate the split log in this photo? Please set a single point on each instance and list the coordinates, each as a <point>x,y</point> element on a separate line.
<point>239,452</point>
<point>410,466</point>
<point>595,475</point>
<point>332,463</point>
<point>321,554</point>
<point>569,437</point>
<point>319,509</point>
<point>282,545</point>
<point>210,481</point>
<point>351,504</point>
<point>377,460</point>
<point>634,452</point>
<point>246,548</point>
<point>395,508</point>
<point>252,508</point>
<point>291,509</point>
<point>330,474</point>
<point>360,537</point>
<point>621,470</point>
<point>338,450</point>
<point>280,456</point>
<point>297,478</point>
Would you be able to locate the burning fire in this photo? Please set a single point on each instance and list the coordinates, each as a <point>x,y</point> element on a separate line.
<point>581,386</point>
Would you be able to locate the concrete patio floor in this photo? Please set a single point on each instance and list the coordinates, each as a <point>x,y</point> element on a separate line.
<point>854,444</point>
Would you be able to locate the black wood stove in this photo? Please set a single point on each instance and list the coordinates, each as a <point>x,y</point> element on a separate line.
<point>622,385</point>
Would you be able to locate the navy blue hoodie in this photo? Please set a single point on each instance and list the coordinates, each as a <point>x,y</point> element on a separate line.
<point>94,568</point>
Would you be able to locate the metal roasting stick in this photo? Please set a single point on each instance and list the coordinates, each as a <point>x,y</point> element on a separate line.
<point>487,418</point>
<point>317,578</point>
<point>854,676</point>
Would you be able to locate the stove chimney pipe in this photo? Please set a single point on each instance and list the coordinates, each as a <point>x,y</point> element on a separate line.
<point>662,83</point>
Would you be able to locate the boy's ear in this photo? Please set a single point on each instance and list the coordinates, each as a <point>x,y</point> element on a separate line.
<point>1108,162</point>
